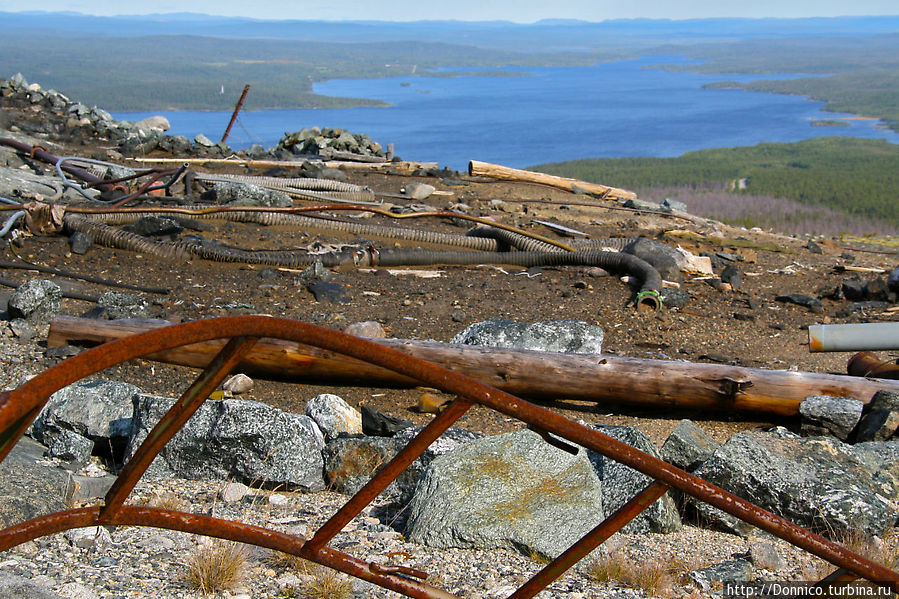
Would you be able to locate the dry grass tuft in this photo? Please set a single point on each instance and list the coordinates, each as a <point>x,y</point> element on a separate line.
<point>217,566</point>
<point>653,577</point>
<point>168,501</point>
<point>325,583</point>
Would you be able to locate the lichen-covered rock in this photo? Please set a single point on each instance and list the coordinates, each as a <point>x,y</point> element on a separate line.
<point>351,461</point>
<point>513,491</point>
<point>815,482</point>
<point>620,483</point>
<point>566,336</point>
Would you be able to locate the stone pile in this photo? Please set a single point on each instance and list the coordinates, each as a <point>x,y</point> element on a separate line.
<point>57,116</point>
<point>317,141</point>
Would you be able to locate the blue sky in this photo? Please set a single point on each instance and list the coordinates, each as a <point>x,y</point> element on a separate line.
<point>475,10</point>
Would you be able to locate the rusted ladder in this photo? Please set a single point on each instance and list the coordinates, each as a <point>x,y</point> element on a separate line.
<point>20,407</point>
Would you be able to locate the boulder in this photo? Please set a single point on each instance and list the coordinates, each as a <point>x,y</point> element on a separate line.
<point>565,336</point>
<point>36,302</point>
<point>154,122</point>
<point>85,415</point>
<point>826,415</point>
<point>240,440</point>
<point>334,416</point>
<point>818,482</point>
<point>688,446</point>
<point>351,461</point>
<point>22,588</point>
<point>29,487</point>
<point>620,483</point>
<point>512,491</point>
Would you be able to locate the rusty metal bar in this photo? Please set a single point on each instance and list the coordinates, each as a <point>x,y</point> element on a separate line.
<point>189,402</point>
<point>593,539</point>
<point>19,407</point>
<point>387,474</point>
<point>214,527</point>
<point>243,97</point>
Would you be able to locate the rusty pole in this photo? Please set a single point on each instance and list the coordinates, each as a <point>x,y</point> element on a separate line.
<point>243,96</point>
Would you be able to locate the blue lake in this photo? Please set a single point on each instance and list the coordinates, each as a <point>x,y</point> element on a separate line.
<point>607,110</point>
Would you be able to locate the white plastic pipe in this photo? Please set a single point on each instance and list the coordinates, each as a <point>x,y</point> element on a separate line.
<point>853,337</point>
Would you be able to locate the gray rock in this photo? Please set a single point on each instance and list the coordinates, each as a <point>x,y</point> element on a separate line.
<point>418,191</point>
<point>117,304</point>
<point>823,414</point>
<point>765,557</point>
<point>688,446</point>
<point>152,225</point>
<point>816,483</point>
<point>89,537</point>
<point>239,383</point>
<point>334,416</point>
<point>245,194</point>
<point>98,411</point>
<point>256,151</point>
<point>85,488</point>
<point>731,275</point>
<point>620,483</point>
<point>666,259</point>
<point>737,570</point>
<point>204,141</point>
<point>877,425</point>
<point>380,424</point>
<point>566,336</point>
<point>812,303</point>
<point>670,205</point>
<point>80,243</point>
<point>233,492</point>
<point>370,328</point>
<point>674,298</point>
<point>325,291</point>
<point>16,587</point>
<point>351,461</point>
<point>28,486</point>
<point>241,440</point>
<point>35,301</point>
<point>154,122</point>
<point>513,491</point>
<point>67,445</point>
<point>885,400</point>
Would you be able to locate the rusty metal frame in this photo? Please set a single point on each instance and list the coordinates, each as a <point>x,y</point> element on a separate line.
<point>18,408</point>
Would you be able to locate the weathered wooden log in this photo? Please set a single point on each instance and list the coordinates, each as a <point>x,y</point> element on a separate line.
<point>535,375</point>
<point>402,167</point>
<point>504,173</point>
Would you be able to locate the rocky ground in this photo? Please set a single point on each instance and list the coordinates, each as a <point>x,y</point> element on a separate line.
<point>740,323</point>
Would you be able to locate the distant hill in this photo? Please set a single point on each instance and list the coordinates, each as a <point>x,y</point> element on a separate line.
<point>544,35</point>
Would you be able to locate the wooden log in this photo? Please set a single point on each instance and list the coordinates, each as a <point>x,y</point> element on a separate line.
<point>402,167</point>
<point>504,173</point>
<point>536,375</point>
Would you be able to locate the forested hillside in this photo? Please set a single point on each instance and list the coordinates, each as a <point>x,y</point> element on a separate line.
<point>856,177</point>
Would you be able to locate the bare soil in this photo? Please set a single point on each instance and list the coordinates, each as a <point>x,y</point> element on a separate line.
<point>744,327</point>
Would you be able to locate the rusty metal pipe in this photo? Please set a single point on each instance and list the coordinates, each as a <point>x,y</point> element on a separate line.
<point>867,364</point>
